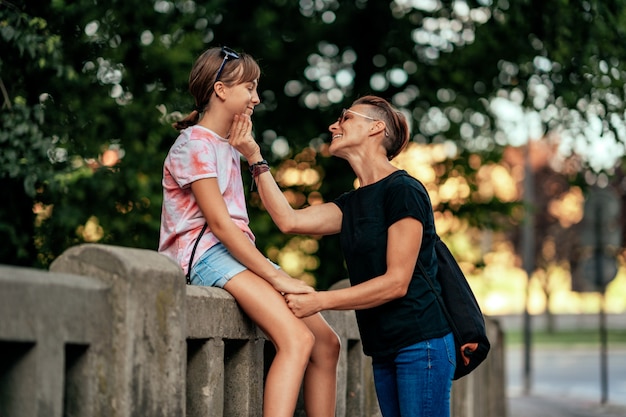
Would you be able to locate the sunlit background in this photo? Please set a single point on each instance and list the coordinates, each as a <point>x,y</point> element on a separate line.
<point>488,258</point>
<point>549,119</point>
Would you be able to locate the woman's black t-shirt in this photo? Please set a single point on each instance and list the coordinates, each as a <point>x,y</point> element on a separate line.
<point>367,214</point>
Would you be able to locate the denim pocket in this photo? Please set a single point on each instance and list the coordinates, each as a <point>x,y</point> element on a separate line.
<point>450,348</point>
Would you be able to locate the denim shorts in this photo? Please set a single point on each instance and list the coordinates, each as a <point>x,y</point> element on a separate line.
<point>216,267</point>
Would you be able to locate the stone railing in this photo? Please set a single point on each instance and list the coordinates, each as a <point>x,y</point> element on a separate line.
<point>115,332</point>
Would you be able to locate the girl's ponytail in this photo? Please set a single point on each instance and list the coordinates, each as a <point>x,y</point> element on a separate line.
<point>191,119</point>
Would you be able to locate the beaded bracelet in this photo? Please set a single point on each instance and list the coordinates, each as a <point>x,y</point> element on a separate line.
<point>257,169</point>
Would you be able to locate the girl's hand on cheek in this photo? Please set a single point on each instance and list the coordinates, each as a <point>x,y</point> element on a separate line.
<point>241,137</point>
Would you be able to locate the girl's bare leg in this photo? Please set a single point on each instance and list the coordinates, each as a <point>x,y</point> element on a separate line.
<point>291,337</point>
<point>320,378</point>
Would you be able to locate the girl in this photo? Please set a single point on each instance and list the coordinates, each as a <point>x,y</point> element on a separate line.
<point>204,213</point>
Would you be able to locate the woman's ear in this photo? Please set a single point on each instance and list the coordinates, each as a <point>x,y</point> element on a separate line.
<point>379,126</point>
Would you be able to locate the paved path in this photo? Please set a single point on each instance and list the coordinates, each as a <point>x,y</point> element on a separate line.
<point>573,373</point>
<point>536,406</point>
<point>566,383</point>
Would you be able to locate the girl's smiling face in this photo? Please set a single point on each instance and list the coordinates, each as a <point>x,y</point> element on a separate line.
<point>244,97</point>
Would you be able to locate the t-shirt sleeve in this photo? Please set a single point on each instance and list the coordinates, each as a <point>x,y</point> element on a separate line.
<point>341,200</point>
<point>193,161</point>
<point>406,197</point>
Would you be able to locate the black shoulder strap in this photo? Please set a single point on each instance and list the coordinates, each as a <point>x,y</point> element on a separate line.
<point>440,301</point>
<point>193,252</point>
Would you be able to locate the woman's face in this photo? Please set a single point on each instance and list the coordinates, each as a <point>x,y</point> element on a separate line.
<point>352,126</point>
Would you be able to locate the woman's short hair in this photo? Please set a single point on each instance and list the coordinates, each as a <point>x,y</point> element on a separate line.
<point>397,127</point>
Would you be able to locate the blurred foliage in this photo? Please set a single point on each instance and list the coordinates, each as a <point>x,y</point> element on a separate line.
<point>89,90</point>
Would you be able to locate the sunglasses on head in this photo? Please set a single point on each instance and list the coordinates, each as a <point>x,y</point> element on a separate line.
<point>228,55</point>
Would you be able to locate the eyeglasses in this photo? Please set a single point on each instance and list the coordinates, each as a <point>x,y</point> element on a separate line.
<point>228,54</point>
<point>342,118</point>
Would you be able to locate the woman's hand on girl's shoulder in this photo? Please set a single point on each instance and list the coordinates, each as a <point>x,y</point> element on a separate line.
<point>241,138</point>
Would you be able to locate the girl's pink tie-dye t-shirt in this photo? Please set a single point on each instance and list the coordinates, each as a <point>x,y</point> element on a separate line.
<point>198,153</point>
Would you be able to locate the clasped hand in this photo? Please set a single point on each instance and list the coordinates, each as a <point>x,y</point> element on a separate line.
<point>303,305</point>
<point>295,292</point>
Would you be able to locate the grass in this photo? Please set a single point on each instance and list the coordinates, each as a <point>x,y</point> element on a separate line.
<point>584,337</point>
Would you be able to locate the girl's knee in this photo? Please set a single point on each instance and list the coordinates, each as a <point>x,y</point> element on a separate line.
<point>334,346</point>
<point>332,340</point>
<point>307,340</point>
<point>327,349</point>
<point>301,342</point>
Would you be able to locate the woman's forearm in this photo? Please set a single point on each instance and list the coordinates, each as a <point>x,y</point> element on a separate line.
<point>369,294</point>
<point>319,219</point>
<point>274,201</point>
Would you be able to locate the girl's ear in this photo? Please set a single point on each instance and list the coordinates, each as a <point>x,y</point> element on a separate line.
<point>220,90</point>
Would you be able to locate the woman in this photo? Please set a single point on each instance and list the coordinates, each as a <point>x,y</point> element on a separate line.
<point>384,225</point>
<point>204,212</point>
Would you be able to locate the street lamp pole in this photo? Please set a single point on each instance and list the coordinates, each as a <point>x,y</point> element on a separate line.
<point>528,261</point>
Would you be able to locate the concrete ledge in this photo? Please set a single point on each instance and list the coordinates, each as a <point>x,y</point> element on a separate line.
<point>221,317</point>
<point>53,327</point>
<point>37,301</point>
<point>115,332</point>
<point>148,320</point>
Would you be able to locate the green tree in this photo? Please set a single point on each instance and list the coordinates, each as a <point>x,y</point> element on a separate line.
<point>89,90</point>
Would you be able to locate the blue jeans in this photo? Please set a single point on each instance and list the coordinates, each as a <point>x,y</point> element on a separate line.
<point>417,381</point>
